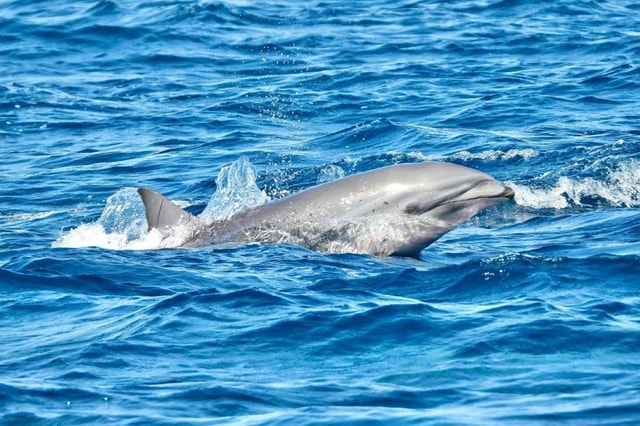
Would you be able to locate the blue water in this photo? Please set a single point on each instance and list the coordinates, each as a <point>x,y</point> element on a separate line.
<point>528,314</point>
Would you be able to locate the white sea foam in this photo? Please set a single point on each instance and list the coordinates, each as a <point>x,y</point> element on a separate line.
<point>495,154</point>
<point>92,235</point>
<point>619,187</point>
<point>121,226</point>
<point>95,235</point>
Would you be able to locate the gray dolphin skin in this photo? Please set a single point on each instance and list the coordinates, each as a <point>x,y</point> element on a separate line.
<point>394,210</point>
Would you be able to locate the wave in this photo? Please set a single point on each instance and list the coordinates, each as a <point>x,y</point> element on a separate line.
<point>26,217</point>
<point>496,155</point>
<point>617,186</point>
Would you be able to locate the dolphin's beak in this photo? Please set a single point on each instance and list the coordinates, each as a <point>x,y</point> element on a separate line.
<point>508,193</point>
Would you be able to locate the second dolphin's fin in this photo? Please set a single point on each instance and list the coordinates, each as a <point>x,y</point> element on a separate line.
<point>162,212</point>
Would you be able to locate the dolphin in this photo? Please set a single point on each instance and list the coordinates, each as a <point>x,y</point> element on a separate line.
<point>395,210</point>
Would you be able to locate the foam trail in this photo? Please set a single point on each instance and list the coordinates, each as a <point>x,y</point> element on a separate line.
<point>619,187</point>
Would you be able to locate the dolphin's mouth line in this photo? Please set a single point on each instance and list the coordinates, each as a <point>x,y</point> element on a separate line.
<point>416,210</point>
<point>507,193</point>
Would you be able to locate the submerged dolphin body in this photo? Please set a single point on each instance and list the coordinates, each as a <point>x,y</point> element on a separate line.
<point>394,210</point>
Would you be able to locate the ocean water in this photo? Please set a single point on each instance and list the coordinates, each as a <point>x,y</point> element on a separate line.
<point>527,314</point>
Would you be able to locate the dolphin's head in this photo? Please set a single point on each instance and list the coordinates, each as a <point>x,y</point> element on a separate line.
<point>450,194</point>
<point>433,198</point>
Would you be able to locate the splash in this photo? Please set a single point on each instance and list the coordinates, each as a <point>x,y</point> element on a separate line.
<point>237,191</point>
<point>123,226</point>
<point>330,173</point>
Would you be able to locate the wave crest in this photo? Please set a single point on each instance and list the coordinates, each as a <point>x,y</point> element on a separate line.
<point>617,187</point>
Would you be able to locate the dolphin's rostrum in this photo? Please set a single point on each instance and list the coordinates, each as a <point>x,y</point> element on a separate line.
<point>394,210</point>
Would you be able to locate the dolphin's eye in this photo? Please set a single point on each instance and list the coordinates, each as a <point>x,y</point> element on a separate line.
<point>413,208</point>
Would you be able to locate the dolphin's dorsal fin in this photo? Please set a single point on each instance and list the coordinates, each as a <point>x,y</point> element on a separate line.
<point>162,212</point>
